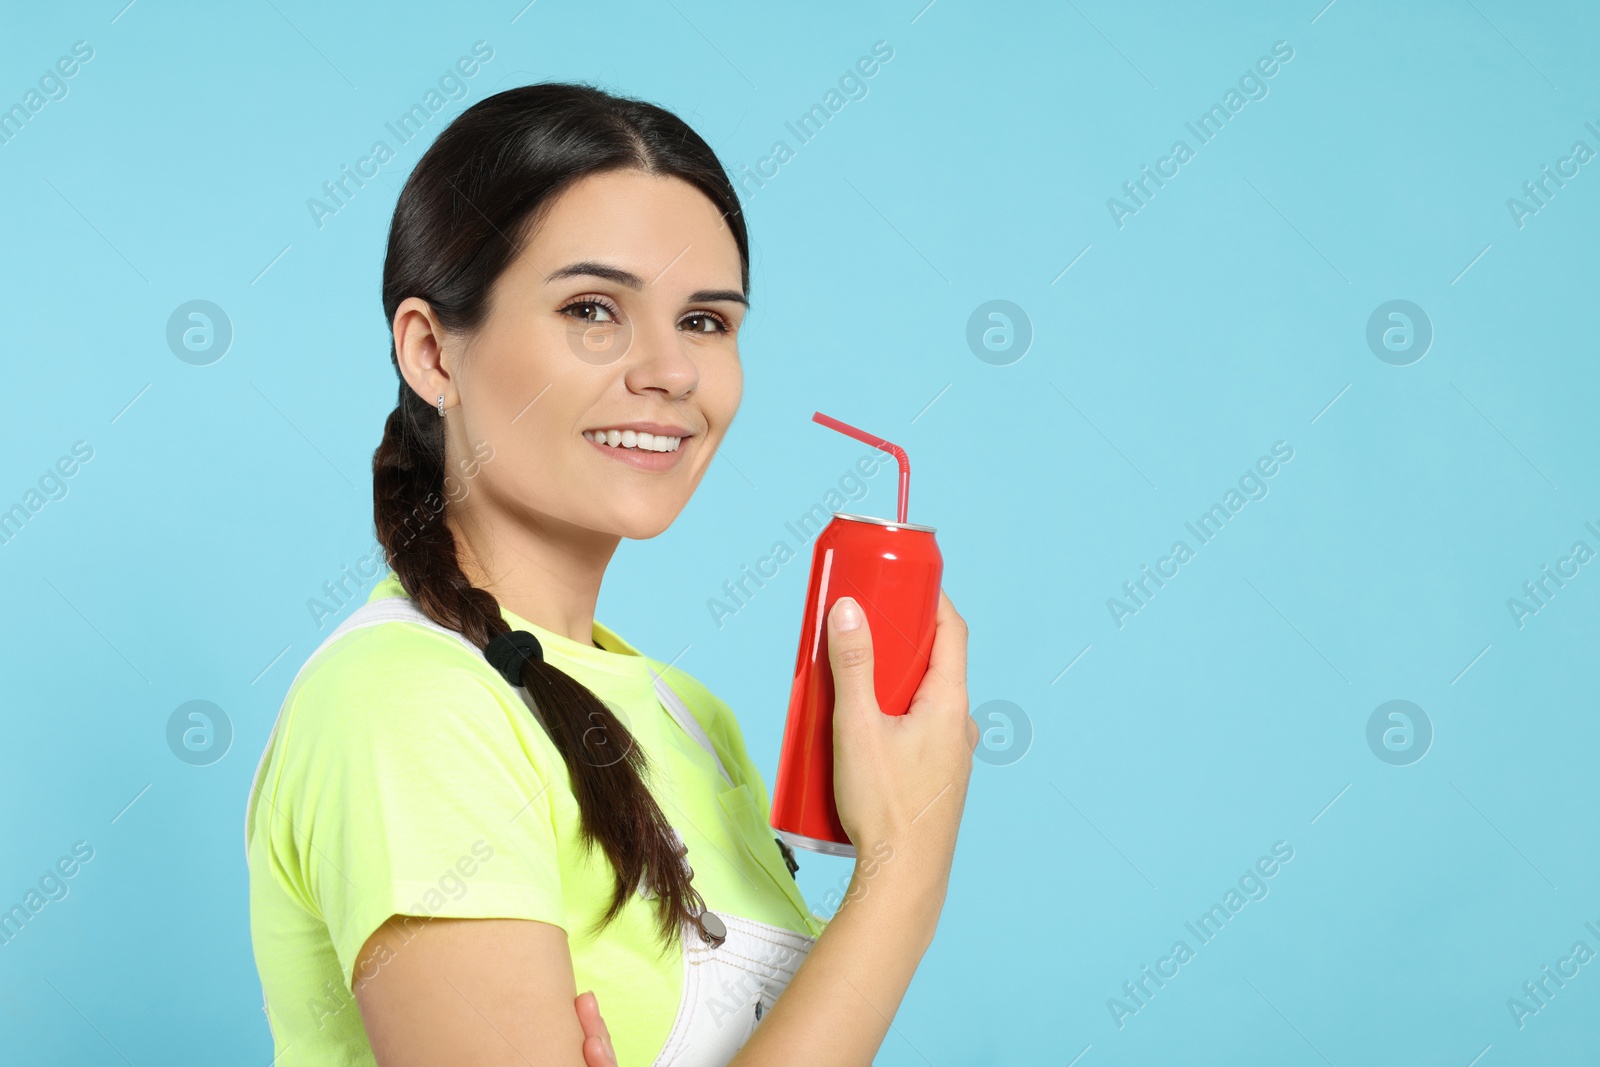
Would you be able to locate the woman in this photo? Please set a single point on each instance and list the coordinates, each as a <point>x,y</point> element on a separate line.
<point>478,799</point>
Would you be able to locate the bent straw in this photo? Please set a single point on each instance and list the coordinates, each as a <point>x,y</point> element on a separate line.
<point>877,442</point>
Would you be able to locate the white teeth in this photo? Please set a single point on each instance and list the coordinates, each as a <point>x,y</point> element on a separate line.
<point>644,442</point>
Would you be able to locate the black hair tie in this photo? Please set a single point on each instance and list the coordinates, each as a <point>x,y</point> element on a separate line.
<point>507,653</point>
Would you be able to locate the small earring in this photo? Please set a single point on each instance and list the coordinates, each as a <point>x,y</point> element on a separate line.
<point>441,405</point>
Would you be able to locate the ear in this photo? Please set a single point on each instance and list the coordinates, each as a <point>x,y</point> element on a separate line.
<point>424,352</point>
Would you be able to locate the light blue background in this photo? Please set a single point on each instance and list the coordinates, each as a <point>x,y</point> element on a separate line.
<point>1228,314</point>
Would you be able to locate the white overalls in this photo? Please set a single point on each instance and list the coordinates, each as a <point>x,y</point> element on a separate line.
<point>726,988</point>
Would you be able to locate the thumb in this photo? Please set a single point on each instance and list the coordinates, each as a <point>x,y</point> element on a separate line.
<point>850,655</point>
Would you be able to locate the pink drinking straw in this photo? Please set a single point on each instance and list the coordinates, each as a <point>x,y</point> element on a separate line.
<point>877,442</point>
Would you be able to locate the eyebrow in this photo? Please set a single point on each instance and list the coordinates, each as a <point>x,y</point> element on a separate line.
<point>589,268</point>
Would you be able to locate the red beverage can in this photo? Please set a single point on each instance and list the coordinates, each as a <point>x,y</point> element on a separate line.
<point>893,570</point>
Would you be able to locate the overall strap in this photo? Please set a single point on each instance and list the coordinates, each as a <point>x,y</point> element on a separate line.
<point>680,711</point>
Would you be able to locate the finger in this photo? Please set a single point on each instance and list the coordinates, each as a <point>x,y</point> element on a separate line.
<point>594,1028</point>
<point>850,655</point>
<point>597,1054</point>
<point>588,1006</point>
<point>947,664</point>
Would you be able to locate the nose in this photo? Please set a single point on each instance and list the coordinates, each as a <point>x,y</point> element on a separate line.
<point>659,360</point>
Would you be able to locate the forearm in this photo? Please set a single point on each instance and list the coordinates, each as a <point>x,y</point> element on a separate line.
<point>838,1006</point>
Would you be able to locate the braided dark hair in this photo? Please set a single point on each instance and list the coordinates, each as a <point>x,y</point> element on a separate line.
<point>460,222</point>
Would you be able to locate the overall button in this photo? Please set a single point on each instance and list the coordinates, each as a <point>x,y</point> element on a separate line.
<point>712,928</point>
<point>788,857</point>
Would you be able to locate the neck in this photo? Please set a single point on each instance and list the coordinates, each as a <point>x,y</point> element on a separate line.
<point>545,571</point>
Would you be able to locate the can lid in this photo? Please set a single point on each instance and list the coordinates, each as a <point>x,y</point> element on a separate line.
<point>883,522</point>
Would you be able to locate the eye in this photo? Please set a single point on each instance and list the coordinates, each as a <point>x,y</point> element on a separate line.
<point>596,310</point>
<point>709,322</point>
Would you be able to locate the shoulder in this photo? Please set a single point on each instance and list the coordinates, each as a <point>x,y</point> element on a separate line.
<point>396,658</point>
<point>398,683</point>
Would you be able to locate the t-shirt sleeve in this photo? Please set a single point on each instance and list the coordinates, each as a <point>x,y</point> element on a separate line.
<point>409,787</point>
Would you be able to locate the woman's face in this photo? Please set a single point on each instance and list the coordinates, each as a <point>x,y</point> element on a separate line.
<point>621,312</point>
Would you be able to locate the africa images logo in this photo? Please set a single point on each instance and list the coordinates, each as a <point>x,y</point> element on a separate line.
<point>1252,885</point>
<point>1205,128</point>
<point>1252,485</point>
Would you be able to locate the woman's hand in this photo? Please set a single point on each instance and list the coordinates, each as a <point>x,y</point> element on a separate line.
<point>597,1050</point>
<point>902,779</point>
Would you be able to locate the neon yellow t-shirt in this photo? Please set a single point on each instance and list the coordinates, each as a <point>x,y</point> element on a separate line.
<point>406,777</point>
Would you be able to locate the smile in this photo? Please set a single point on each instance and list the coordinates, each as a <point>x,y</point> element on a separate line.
<point>645,442</point>
<point>639,450</point>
